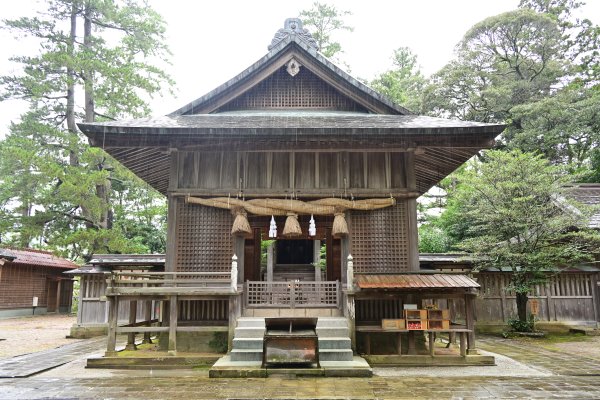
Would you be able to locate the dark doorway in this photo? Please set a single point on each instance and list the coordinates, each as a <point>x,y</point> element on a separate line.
<point>295,251</point>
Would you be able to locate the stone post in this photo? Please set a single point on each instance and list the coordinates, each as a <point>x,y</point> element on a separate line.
<point>350,273</point>
<point>234,273</point>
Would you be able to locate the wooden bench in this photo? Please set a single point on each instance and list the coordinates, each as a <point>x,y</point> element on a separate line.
<point>367,330</point>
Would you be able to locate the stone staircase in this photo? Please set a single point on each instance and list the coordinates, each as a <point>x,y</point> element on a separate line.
<point>248,340</point>
<point>333,334</point>
<point>334,339</point>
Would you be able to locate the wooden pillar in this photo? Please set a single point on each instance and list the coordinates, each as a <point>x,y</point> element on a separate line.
<point>411,213</point>
<point>239,250</point>
<point>412,348</point>
<point>595,297</point>
<point>113,315</point>
<point>431,340</point>
<point>148,318</point>
<point>470,320</point>
<point>58,288</point>
<point>270,261</point>
<point>172,349</point>
<point>132,320</point>
<point>317,259</point>
<point>82,287</point>
<point>171,253</point>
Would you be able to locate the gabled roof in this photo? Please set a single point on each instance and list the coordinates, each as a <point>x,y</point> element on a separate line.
<point>219,121</point>
<point>588,194</point>
<point>36,258</point>
<point>295,45</point>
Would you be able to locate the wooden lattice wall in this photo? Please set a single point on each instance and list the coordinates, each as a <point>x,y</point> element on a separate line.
<point>203,238</point>
<point>379,240</point>
<point>281,90</point>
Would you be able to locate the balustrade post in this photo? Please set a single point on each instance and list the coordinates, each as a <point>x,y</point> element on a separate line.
<point>234,273</point>
<point>350,273</point>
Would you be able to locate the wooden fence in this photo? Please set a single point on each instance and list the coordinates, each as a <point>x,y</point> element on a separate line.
<point>292,294</point>
<point>568,297</point>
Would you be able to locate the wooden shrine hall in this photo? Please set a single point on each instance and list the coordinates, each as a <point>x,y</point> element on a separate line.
<point>292,194</point>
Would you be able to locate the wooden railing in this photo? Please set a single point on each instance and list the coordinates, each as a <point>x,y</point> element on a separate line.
<point>176,282</point>
<point>292,294</point>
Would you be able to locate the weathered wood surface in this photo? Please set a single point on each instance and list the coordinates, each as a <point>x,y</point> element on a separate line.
<point>569,296</point>
<point>314,172</point>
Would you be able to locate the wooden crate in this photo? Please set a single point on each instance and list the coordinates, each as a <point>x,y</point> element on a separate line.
<point>416,325</point>
<point>438,314</point>
<point>415,314</point>
<point>393,324</point>
<point>438,324</point>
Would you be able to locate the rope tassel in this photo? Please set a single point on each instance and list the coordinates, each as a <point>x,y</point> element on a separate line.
<point>340,227</point>
<point>241,226</point>
<point>292,226</point>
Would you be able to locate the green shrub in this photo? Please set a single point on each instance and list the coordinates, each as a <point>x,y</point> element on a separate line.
<point>522,326</point>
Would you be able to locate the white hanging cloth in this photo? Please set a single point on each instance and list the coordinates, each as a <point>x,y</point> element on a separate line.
<point>273,228</point>
<point>312,227</point>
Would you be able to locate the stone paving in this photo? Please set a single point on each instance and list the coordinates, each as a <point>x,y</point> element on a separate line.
<point>565,375</point>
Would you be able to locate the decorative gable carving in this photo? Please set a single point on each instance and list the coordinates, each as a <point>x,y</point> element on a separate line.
<point>284,90</point>
<point>293,26</point>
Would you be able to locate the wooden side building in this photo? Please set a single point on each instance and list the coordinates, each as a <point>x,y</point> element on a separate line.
<point>33,282</point>
<point>295,150</point>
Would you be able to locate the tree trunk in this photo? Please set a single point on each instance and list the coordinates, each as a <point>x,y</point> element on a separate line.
<point>522,300</point>
<point>71,126</point>
<point>103,189</point>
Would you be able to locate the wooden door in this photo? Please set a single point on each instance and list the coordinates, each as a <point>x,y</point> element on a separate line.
<point>334,257</point>
<point>252,256</point>
<point>51,296</point>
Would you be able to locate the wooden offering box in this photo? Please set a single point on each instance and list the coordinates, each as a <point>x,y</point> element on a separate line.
<point>416,325</point>
<point>438,314</point>
<point>438,319</point>
<point>415,314</point>
<point>393,324</point>
<point>416,319</point>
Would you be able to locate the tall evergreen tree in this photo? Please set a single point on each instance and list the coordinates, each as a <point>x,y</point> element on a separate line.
<point>91,50</point>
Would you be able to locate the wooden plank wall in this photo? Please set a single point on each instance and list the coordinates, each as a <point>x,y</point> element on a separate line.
<point>20,283</point>
<point>278,173</point>
<point>569,296</point>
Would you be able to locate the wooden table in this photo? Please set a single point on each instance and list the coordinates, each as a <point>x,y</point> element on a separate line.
<point>368,329</point>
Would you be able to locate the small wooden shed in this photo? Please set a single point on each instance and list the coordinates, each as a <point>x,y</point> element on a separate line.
<point>33,281</point>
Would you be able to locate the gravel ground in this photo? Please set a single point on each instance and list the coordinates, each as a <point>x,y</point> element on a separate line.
<point>25,335</point>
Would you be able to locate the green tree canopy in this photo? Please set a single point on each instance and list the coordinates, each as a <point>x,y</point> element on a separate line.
<point>404,82</point>
<point>92,63</point>
<point>324,20</point>
<point>520,218</point>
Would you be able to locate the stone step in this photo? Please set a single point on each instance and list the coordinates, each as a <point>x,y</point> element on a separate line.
<point>251,322</point>
<point>329,332</point>
<point>335,355</point>
<point>328,322</point>
<point>248,343</point>
<point>246,355</point>
<point>249,332</point>
<point>334,343</point>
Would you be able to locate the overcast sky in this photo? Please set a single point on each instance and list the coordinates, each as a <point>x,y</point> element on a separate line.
<point>213,41</point>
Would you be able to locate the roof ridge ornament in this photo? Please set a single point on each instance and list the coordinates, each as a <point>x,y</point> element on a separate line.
<point>293,27</point>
